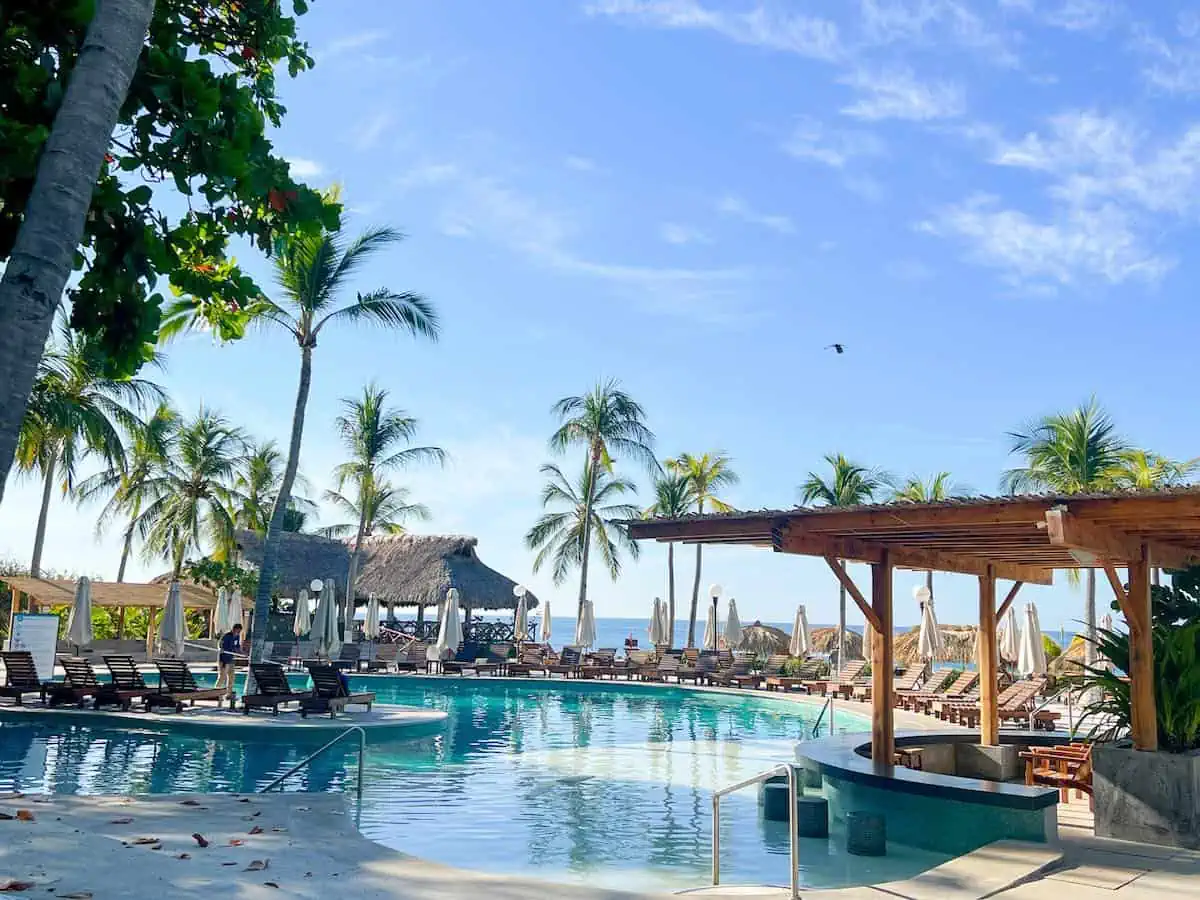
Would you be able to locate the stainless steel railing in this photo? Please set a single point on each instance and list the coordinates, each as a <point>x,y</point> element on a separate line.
<point>827,706</point>
<point>362,759</point>
<point>786,769</point>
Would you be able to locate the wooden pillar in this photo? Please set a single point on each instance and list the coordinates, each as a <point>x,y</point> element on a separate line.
<point>883,731</point>
<point>1144,727</point>
<point>989,720</point>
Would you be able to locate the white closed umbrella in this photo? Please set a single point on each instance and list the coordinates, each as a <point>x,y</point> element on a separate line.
<point>1010,640</point>
<point>234,610</point>
<point>1032,658</point>
<point>800,643</point>
<point>449,628</point>
<point>302,618</point>
<point>171,632</point>
<point>733,626</point>
<point>324,632</point>
<point>929,641</point>
<point>657,636</point>
<point>79,622</point>
<point>521,619</point>
<point>546,629</point>
<point>221,615</point>
<point>710,629</point>
<point>668,629</point>
<point>585,625</point>
<point>371,622</point>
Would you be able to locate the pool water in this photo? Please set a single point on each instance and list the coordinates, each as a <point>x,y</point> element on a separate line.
<point>599,782</point>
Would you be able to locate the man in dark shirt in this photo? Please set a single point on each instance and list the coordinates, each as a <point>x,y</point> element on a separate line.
<point>231,644</point>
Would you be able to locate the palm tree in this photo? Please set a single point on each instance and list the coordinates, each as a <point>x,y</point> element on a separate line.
<point>260,472</point>
<point>608,423</point>
<point>1141,470</point>
<point>383,508</point>
<point>705,474</point>
<point>312,271</point>
<point>373,435</point>
<point>915,490</point>
<point>127,480</point>
<point>673,499</point>
<point>850,485</point>
<point>193,498</point>
<point>75,410</point>
<point>1069,453</point>
<point>586,515</point>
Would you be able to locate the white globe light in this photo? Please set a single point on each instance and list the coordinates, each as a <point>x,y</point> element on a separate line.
<point>714,590</point>
<point>921,594</point>
<point>519,590</point>
<point>316,585</point>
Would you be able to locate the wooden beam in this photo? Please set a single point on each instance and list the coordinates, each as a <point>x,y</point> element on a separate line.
<point>1144,724</point>
<point>700,527</point>
<point>904,557</point>
<point>1008,600</point>
<point>1067,530</point>
<point>883,731</point>
<point>1118,588</point>
<point>839,570</point>
<point>989,720</point>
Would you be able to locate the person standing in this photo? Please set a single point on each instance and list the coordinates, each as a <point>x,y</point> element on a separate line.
<point>231,647</point>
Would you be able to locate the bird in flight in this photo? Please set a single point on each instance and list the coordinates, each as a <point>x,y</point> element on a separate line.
<point>838,348</point>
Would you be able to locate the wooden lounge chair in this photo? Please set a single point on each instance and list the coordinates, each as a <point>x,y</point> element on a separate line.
<point>20,676</point>
<point>668,667</point>
<point>1015,702</point>
<point>273,689</point>
<point>922,701</point>
<point>1064,767</point>
<point>177,685</point>
<point>637,662</point>
<point>738,668</point>
<point>349,657</point>
<point>468,652</point>
<point>598,663</point>
<point>697,672</point>
<point>808,673</point>
<point>413,658</point>
<point>384,659</point>
<point>81,683</point>
<point>568,663</point>
<point>127,679</point>
<point>906,680</point>
<point>532,660</point>
<point>840,683</point>
<point>329,694</point>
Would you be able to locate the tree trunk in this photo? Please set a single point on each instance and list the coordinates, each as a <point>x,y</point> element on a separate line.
<point>126,547</point>
<point>266,572</point>
<point>39,537</point>
<point>671,593</point>
<point>1089,620</point>
<point>590,481</point>
<point>691,638</point>
<point>352,575</point>
<point>929,583</point>
<point>43,254</point>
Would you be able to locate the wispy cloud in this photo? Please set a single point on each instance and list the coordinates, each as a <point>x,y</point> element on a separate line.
<point>680,235</point>
<point>898,94</point>
<point>371,129</point>
<point>760,26</point>
<point>810,140</point>
<point>733,205</point>
<point>1070,15</point>
<point>581,164</point>
<point>351,42</point>
<point>304,168</point>
<point>1172,65</point>
<point>935,24</point>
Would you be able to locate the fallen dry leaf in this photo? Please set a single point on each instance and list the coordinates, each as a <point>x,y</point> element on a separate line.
<point>236,842</point>
<point>25,815</point>
<point>257,865</point>
<point>257,829</point>
<point>229,864</point>
<point>189,802</point>
<point>77,895</point>
<point>200,839</point>
<point>11,884</point>
<point>243,799</point>
<point>184,856</point>
<point>279,830</point>
<point>124,820</point>
<point>303,808</point>
<point>270,884</point>
<point>144,840</point>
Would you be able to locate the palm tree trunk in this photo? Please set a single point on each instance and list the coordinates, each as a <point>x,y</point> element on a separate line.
<point>1089,620</point>
<point>671,593</point>
<point>587,529</point>
<point>352,576</point>
<point>266,572</point>
<point>126,547</point>
<point>43,254</point>
<point>691,639</point>
<point>39,537</point>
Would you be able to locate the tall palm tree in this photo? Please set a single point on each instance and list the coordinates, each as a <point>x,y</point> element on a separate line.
<point>380,509</point>
<point>705,474</point>
<point>374,435</point>
<point>608,423</point>
<point>260,473</point>
<point>673,499</point>
<point>75,411</point>
<point>126,481</point>
<point>1069,453</point>
<point>1142,470</point>
<point>561,537</point>
<point>916,490</point>
<point>312,271</point>
<point>193,498</point>
<point>850,484</point>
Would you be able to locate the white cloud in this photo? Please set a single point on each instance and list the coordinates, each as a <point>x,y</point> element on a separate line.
<point>1070,15</point>
<point>581,164</point>
<point>1076,245</point>
<point>934,24</point>
<point>760,26</point>
<point>1172,66</point>
<point>679,235</point>
<point>898,94</point>
<point>304,168</point>
<point>355,41</point>
<point>810,140</point>
<point>735,206</point>
<point>371,129</point>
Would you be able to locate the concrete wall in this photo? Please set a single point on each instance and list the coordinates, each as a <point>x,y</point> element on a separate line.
<point>1149,797</point>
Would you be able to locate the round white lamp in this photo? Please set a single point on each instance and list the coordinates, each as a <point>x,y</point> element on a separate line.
<point>921,594</point>
<point>519,591</point>
<point>316,585</point>
<point>714,591</point>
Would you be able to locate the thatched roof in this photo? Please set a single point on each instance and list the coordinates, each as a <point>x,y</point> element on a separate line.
<point>412,569</point>
<point>61,592</point>
<point>302,557</point>
<point>1069,663</point>
<point>759,638</point>
<point>824,640</point>
<point>958,645</point>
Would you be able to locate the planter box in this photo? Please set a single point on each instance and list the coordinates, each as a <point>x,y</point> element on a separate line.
<point>1149,797</point>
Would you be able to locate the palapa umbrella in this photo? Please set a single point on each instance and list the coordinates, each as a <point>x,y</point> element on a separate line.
<point>221,621</point>
<point>585,626</point>
<point>324,633</point>
<point>733,626</point>
<point>710,629</point>
<point>800,642</point>
<point>371,622</point>
<point>1032,658</point>
<point>302,619</point>
<point>1010,640</point>
<point>929,641</point>
<point>657,634</point>
<point>449,628</point>
<point>79,622</point>
<point>546,629</point>
<point>171,632</point>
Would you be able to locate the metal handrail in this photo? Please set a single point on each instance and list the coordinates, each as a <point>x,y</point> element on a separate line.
<point>362,759</point>
<point>1065,689</point>
<point>793,794</point>
<point>828,705</point>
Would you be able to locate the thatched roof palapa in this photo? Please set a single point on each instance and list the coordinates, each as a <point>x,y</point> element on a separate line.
<point>958,645</point>
<point>824,640</point>
<point>301,558</point>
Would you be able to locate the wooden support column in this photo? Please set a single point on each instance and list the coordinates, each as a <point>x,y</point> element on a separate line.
<point>1144,727</point>
<point>883,732</point>
<point>989,720</point>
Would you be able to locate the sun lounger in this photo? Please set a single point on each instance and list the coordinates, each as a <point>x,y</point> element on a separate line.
<point>273,690</point>
<point>413,658</point>
<point>697,671</point>
<point>384,658</point>
<point>840,683</point>
<point>20,676</point>
<point>905,680</point>
<point>598,663</point>
<point>922,701</point>
<point>127,679</point>
<point>81,683</point>
<point>1014,703</point>
<point>532,660</point>
<point>349,657</point>
<point>668,667</point>
<point>468,653</point>
<point>329,694</point>
<point>808,673</point>
<point>738,668</point>
<point>568,663</point>
<point>177,685</point>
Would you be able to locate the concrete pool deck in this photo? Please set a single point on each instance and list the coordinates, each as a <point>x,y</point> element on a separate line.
<point>306,846</point>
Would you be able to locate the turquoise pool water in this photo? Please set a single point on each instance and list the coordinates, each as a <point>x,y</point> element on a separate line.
<point>605,783</point>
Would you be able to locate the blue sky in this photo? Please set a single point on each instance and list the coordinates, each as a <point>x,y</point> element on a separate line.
<point>989,203</point>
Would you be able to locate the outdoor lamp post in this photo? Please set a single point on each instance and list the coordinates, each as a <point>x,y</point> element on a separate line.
<point>921,594</point>
<point>519,591</point>
<point>714,591</point>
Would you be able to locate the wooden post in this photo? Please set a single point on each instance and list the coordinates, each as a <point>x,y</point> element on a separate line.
<point>1144,727</point>
<point>120,623</point>
<point>883,732</point>
<point>989,720</point>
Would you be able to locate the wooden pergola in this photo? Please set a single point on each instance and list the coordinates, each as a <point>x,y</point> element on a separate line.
<point>1022,539</point>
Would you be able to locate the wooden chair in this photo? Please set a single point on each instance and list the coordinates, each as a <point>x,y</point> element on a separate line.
<point>806,674</point>
<point>273,689</point>
<point>177,684</point>
<point>81,683</point>
<point>568,663</point>
<point>20,676</point>
<point>1064,767</point>
<point>329,694</point>
<point>384,658</point>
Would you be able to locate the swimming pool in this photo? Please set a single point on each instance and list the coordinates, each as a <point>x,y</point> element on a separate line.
<point>600,782</point>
